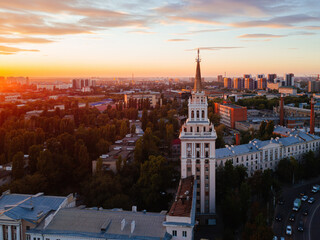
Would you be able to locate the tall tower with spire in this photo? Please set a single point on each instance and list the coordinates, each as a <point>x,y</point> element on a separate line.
<point>198,139</point>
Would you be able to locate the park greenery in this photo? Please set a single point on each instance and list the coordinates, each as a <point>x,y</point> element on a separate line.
<point>62,144</point>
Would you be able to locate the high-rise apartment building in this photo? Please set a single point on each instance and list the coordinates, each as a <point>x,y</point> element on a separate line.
<point>238,83</point>
<point>289,79</point>
<point>228,83</point>
<point>198,138</point>
<point>272,77</point>
<point>249,83</point>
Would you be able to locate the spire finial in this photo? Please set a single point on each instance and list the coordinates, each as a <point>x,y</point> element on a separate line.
<point>197,81</point>
<point>198,59</point>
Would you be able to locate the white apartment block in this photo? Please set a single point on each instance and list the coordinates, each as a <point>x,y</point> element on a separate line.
<point>262,155</point>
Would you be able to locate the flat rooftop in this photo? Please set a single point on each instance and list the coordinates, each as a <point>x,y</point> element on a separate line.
<point>183,202</point>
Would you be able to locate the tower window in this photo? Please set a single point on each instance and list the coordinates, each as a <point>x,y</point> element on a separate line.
<point>202,114</point>
<point>198,145</point>
<point>198,154</point>
<point>198,129</point>
<point>192,114</point>
<point>207,154</point>
<point>198,114</point>
<point>191,129</point>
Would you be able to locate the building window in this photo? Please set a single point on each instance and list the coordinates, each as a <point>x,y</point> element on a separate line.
<point>191,130</point>
<point>198,145</point>
<point>207,169</point>
<point>207,154</point>
<point>198,169</point>
<point>28,237</point>
<point>174,233</point>
<point>198,129</point>
<point>198,114</point>
<point>184,234</point>
<point>206,161</point>
<point>202,114</point>
<point>192,114</point>
<point>198,154</point>
<point>207,145</point>
<point>198,161</point>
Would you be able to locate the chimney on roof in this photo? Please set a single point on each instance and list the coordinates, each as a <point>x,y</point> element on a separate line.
<point>312,116</point>
<point>134,208</point>
<point>281,111</point>
<point>133,226</point>
<point>237,139</point>
<point>123,223</point>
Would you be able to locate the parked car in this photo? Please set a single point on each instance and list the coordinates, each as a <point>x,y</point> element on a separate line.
<point>302,193</point>
<point>311,200</point>
<point>300,226</point>
<point>315,188</point>
<point>279,218</point>
<point>292,217</point>
<point>289,230</point>
<point>304,198</point>
<point>305,212</point>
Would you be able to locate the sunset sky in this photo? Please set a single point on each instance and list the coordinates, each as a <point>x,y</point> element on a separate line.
<point>157,38</point>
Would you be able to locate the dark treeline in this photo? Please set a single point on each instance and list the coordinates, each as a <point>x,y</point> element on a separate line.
<point>244,201</point>
<point>62,144</point>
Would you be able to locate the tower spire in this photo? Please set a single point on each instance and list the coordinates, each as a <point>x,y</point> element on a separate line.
<point>197,82</point>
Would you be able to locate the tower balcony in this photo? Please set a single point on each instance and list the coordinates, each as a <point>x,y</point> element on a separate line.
<point>211,134</point>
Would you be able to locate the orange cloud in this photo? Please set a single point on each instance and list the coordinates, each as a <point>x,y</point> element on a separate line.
<point>24,40</point>
<point>4,50</point>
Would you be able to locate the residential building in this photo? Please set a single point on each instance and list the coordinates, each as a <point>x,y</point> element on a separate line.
<point>21,212</point>
<point>249,83</point>
<point>288,90</point>
<point>153,97</point>
<point>228,83</point>
<point>289,79</point>
<point>230,113</point>
<point>238,83</point>
<point>262,82</point>
<point>262,155</point>
<point>198,148</point>
<point>97,223</point>
<point>220,78</point>
<point>272,77</point>
<point>314,86</point>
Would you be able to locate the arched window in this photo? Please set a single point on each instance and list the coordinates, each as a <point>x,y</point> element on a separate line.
<point>198,114</point>
<point>202,113</point>
<point>192,114</point>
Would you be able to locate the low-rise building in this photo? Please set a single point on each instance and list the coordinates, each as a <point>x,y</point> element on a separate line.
<point>97,223</point>
<point>20,212</point>
<point>230,113</point>
<point>180,220</point>
<point>153,97</point>
<point>288,90</point>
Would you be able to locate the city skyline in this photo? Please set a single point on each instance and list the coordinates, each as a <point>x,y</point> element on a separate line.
<point>81,39</point>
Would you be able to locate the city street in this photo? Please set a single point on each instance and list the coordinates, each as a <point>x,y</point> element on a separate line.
<point>310,222</point>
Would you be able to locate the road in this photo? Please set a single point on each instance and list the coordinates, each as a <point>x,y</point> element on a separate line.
<point>311,221</point>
